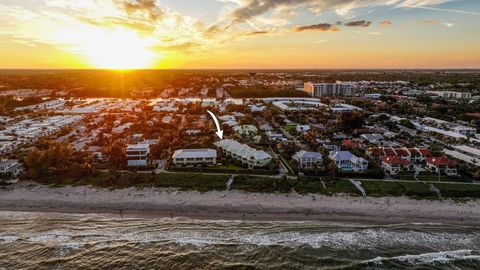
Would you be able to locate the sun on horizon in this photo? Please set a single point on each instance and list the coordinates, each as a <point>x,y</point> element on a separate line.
<point>119,50</point>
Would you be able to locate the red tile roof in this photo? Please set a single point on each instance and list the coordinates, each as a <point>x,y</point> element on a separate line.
<point>389,152</point>
<point>375,151</point>
<point>401,152</point>
<point>395,160</point>
<point>350,143</point>
<point>425,152</point>
<point>414,152</point>
<point>441,161</point>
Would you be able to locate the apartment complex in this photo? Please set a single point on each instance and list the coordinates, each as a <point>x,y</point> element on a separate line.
<point>191,157</point>
<point>451,94</point>
<point>330,89</point>
<point>244,153</point>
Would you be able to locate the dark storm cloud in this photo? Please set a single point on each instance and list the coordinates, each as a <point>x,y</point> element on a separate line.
<point>321,27</point>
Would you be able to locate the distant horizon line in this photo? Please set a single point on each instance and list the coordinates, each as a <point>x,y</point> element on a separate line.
<point>233,69</point>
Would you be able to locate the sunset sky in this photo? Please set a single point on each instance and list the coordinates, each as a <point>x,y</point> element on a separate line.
<point>126,34</point>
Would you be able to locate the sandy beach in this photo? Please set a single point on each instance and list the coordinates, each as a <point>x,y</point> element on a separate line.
<point>25,196</point>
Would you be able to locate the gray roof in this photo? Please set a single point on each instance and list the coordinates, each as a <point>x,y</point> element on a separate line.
<point>345,155</point>
<point>242,150</point>
<point>195,153</point>
<point>307,154</point>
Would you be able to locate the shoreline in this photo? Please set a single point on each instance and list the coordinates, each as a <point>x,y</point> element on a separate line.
<point>235,205</point>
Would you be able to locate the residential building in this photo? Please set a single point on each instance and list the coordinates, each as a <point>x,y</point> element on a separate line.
<point>308,160</point>
<point>352,144</point>
<point>244,153</point>
<point>186,157</point>
<point>302,128</point>
<point>395,164</point>
<point>122,128</point>
<point>467,131</point>
<point>451,94</point>
<point>346,161</point>
<point>137,155</point>
<point>372,138</point>
<point>276,136</point>
<point>11,166</point>
<point>331,147</point>
<point>342,108</point>
<point>330,89</point>
<point>464,153</point>
<point>414,155</point>
<point>245,130</point>
<point>297,104</point>
<point>442,165</point>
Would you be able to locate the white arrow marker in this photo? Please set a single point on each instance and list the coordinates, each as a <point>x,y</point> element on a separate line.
<point>219,131</point>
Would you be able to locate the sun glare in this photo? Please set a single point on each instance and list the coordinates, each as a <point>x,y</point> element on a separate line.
<point>120,50</point>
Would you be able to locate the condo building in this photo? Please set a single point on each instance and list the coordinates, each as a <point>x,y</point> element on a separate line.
<point>191,157</point>
<point>137,155</point>
<point>330,89</point>
<point>244,153</point>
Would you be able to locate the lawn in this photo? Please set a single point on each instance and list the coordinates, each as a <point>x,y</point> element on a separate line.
<point>390,188</point>
<point>430,177</point>
<point>459,191</point>
<point>290,128</point>
<point>182,181</point>
<point>302,185</point>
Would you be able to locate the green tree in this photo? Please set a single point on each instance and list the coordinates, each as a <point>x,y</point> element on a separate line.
<point>349,121</point>
<point>117,157</point>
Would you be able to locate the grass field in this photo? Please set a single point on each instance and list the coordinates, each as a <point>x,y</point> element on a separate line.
<point>389,188</point>
<point>430,177</point>
<point>302,185</point>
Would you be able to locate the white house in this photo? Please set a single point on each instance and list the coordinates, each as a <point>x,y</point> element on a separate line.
<point>346,161</point>
<point>246,130</point>
<point>11,166</point>
<point>467,131</point>
<point>137,155</point>
<point>186,157</point>
<point>302,128</point>
<point>230,123</point>
<point>372,138</point>
<point>308,160</point>
<point>244,153</point>
<point>122,128</point>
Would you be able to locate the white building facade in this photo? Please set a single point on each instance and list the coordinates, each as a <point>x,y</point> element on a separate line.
<point>346,161</point>
<point>137,155</point>
<point>192,157</point>
<point>244,153</point>
<point>308,160</point>
<point>11,167</point>
<point>330,89</point>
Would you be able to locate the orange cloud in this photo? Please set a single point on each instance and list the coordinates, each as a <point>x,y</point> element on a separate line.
<point>385,23</point>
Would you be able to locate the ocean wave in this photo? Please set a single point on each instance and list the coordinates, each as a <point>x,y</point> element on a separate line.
<point>188,234</point>
<point>9,238</point>
<point>427,258</point>
<point>51,236</point>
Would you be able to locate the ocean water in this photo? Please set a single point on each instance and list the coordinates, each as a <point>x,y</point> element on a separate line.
<point>94,241</point>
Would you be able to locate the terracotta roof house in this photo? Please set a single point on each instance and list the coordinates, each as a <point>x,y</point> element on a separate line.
<point>394,165</point>
<point>442,165</point>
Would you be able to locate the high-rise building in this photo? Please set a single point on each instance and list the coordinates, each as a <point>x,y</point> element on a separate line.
<point>330,89</point>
